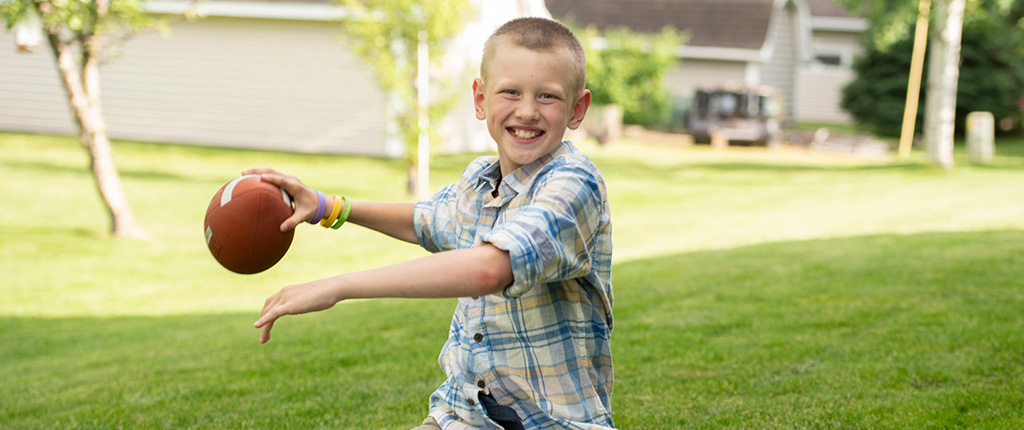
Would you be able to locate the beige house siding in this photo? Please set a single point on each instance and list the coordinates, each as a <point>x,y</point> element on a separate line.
<point>780,71</point>
<point>820,92</point>
<point>820,85</point>
<point>269,84</point>
<point>690,74</point>
<point>845,44</point>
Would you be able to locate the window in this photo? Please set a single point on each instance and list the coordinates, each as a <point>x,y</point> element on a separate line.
<point>829,59</point>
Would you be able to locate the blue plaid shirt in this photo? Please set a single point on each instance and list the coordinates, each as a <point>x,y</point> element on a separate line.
<point>541,346</point>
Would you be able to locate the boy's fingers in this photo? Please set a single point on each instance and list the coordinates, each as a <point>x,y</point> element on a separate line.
<point>265,323</point>
<point>265,332</point>
<point>290,184</point>
<point>292,221</point>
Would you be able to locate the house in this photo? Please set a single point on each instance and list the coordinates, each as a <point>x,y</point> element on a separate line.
<point>250,74</point>
<point>803,48</point>
<point>278,75</point>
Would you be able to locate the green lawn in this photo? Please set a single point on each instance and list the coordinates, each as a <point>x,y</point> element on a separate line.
<point>753,288</point>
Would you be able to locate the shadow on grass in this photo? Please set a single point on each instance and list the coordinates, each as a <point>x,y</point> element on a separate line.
<point>855,332</point>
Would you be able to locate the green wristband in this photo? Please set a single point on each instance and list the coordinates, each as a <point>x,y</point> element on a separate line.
<point>344,214</point>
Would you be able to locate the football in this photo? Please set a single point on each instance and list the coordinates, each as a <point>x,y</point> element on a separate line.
<point>243,225</point>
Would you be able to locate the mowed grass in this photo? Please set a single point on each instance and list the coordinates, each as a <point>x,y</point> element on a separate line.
<point>753,289</point>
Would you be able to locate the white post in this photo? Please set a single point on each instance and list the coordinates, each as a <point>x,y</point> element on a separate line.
<point>981,128</point>
<point>423,101</point>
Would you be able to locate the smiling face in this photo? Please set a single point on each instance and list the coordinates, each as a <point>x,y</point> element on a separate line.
<point>528,100</point>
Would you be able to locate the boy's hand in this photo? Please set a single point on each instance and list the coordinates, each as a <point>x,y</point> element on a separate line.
<point>293,300</point>
<point>305,198</point>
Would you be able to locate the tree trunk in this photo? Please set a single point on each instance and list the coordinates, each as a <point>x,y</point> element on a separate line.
<point>82,87</point>
<point>943,73</point>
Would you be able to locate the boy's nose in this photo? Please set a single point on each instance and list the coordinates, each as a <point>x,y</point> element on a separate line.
<point>527,110</point>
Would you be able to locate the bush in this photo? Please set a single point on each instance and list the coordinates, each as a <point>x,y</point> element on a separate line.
<point>627,68</point>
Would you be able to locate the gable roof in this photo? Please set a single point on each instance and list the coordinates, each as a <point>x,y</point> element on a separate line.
<point>826,9</point>
<point>729,24</point>
<point>740,24</point>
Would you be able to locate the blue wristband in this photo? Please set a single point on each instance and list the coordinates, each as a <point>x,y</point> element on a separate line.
<point>321,206</point>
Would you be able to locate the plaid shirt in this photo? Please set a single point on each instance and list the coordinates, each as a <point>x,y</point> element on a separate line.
<point>541,346</point>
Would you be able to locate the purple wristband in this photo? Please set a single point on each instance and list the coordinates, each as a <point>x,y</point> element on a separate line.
<point>321,206</point>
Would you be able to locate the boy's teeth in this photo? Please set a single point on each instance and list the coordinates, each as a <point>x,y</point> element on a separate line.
<point>523,134</point>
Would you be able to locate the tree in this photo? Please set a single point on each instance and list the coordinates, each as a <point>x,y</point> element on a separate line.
<point>943,76</point>
<point>991,77</point>
<point>79,33</point>
<point>890,22</point>
<point>388,34</point>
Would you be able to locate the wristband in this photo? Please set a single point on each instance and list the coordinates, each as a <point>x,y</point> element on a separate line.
<point>334,213</point>
<point>320,207</point>
<point>344,215</point>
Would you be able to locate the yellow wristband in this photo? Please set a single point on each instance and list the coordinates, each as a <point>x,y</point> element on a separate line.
<point>344,215</point>
<point>328,221</point>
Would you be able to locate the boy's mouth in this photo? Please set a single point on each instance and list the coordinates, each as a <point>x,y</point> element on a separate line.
<point>524,134</point>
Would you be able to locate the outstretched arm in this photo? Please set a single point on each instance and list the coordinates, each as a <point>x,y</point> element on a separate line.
<point>392,219</point>
<point>469,272</point>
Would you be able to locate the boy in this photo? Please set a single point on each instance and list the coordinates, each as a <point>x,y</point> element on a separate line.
<point>523,240</point>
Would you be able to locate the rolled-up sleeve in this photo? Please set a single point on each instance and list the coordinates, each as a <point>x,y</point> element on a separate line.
<point>549,239</point>
<point>422,226</point>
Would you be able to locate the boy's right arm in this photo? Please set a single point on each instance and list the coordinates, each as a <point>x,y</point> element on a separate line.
<point>392,219</point>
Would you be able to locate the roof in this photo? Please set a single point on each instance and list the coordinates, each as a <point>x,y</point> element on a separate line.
<point>720,23</point>
<point>827,9</point>
<point>735,24</point>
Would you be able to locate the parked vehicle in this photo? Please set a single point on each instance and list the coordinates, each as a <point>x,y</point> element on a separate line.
<point>740,114</point>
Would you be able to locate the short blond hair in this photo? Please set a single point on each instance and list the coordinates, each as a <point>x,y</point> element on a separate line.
<point>542,35</point>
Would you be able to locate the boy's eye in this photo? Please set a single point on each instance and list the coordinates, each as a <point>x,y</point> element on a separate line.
<point>510,92</point>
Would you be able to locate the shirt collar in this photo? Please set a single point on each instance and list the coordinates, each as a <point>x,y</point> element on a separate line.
<point>490,178</point>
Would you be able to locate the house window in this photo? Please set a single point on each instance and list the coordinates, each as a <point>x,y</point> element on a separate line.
<point>833,56</point>
<point>829,59</point>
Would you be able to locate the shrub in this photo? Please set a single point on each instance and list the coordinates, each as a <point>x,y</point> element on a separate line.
<point>627,68</point>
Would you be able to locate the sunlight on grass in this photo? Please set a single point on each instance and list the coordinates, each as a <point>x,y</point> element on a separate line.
<point>667,200</point>
<point>664,200</point>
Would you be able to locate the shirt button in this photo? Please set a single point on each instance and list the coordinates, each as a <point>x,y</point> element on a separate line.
<point>471,402</point>
<point>480,383</point>
<point>479,337</point>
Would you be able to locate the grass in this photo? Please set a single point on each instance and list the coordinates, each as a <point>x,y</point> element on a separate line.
<point>754,289</point>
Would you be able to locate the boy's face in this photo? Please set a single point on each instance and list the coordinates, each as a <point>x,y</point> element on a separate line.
<point>527,101</point>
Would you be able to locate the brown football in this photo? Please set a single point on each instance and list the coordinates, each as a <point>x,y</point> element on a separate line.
<point>243,225</point>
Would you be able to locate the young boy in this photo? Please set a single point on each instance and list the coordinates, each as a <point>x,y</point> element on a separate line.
<point>523,240</point>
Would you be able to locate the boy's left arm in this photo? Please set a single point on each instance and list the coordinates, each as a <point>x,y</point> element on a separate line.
<point>476,271</point>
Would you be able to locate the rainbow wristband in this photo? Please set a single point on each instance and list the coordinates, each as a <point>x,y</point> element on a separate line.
<point>321,206</point>
<point>334,213</point>
<point>344,215</point>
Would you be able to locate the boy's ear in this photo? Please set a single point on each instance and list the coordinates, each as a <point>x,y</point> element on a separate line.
<point>579,110</point>
<point>478,99</point>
